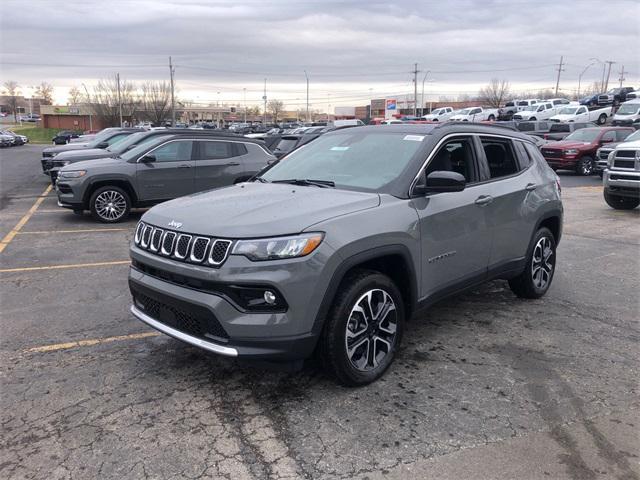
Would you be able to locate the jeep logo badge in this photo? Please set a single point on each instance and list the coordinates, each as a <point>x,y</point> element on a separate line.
<point>174,224</point>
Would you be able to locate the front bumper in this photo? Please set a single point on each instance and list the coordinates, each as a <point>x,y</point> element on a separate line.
<point>559,162</point>
<point>625,183</point>
<point>69,193</point>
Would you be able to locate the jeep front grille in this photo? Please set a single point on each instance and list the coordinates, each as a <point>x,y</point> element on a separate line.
<point>182,246</point>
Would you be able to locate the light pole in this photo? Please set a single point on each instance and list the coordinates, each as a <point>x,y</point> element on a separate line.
<point>307,77</point>
<point>90,107</point>
<point>580,78</point>
<point>422,99</point>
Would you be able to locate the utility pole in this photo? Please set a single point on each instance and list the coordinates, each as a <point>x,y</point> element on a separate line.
<point>173,99</point>
<point>119,98</point>
<point>264,97</point>
<point>415,89</point>
<point>307,77</point>
<point>90,107</point>
<point>606,87</point>
<point>244,101</point>
<point>560,69</point>
<point>328,106</point>
<point>622,79</point>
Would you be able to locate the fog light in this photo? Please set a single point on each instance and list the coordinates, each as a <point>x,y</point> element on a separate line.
<point>269,297</point>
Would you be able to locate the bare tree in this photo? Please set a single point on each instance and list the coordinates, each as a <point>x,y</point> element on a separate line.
<point>75,96</point>
<point>45,92</point>
<point>545,94</point>
<point>104,101</point>
<point>275,108</point>
<point>593,89</point>
<point>495,93</point>
<point>12,90</point>
<point>156,102</point>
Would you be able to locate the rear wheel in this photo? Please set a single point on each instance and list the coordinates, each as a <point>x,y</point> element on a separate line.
<point>602,119</point>
<point>110,204</point>
<point>621,203</point>
<point>492,118</point>
<point>536,278</point>
<point>584,166</point>
<point>532,119</point>
<point>363,329</point>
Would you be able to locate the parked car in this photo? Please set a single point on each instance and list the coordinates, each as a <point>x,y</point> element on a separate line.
<point>16,139</point>
<point>558,131</point>
<point>539,111</point>
<point>30,117</point>
<point>614,96</point>
<point>334,249</point>
<point>633,95</point>
<point>509,109</point>
<point>578,150</point>
<point>602,155</point>
<point>522,104</point>
<point>64,136</point>
<point>104,139</point>
<point>536,128</point>
<point>589,100</point>
<point>439,114</point>
<point>115,149</point>
<point>6,140</point>
<point>559,102</point>
<point>475,114</point>
<point>171,166</point>
<point>622,177</point>
<point>582,113</point>
<point>628,114</point>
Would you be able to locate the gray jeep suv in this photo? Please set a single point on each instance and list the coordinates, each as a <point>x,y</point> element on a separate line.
<point>336,246</point>
<point>158,169</point>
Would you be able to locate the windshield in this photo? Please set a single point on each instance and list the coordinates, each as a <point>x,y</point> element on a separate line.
<point>101,137</point>
<point>584,135</point>
<point>568,111</point>
<point>531,108</point>
<point>628,109</point>
<point>122,145</point>
<point>141,149</point>
<point>466,111</point>
<point>362,160</point>
<point>522,104</point>
<point>633,137</point>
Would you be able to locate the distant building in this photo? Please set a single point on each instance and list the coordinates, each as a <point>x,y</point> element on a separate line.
<point>24,105</point>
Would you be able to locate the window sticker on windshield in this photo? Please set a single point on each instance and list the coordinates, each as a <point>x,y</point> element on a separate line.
<point>414,138</point>
<point>339,149</point>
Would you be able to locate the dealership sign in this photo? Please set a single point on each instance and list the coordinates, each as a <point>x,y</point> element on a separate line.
<point>392,104</point>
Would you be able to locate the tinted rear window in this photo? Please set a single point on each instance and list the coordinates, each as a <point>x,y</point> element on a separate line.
<point>560,127</point>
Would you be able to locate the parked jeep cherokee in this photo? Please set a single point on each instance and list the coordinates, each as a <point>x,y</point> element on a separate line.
<point>335,247</point>
<point>167,167</point>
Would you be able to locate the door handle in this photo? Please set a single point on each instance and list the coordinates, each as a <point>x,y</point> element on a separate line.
<point>184,165</point>
<point>531,187</point>
<point>232,164</point>
<point>484,200</point>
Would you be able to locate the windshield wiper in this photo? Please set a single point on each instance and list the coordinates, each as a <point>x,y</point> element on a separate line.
<point>260,179</point>
<point>307,181</point>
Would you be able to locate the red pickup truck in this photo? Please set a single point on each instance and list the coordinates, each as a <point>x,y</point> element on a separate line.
<point>578,150</point>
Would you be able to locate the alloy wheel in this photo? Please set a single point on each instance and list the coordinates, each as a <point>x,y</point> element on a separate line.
<point>371,330</point>
<point>586,167</point>
<point>542,263</point>
<point>110,205</point>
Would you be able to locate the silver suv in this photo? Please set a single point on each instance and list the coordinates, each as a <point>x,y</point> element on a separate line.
<point>336,246</point>
<point>159,168</point>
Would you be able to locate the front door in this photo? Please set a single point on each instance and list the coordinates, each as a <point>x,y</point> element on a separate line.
<point>218,164</point>
<point>455,233</point>
<point>170,175</point>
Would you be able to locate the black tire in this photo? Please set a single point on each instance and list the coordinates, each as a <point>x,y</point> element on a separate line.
<point>602,119</point>
<point>333,343</point>
<point>491,118</point>
<point>529,283</point>
<point>532,119</point>
<point>585,166</point>
<point>621,203</point>
<point>121,204</point>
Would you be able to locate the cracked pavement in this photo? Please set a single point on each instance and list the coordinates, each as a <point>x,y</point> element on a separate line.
<point>486,385</point>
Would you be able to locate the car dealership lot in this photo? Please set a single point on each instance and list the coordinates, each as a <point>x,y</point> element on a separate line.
<point>485,385</point>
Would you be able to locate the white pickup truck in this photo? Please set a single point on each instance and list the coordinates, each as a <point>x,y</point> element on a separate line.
<point>441,114</point>
<point>539,111</point>
<point>475,114</point>
<point>581,113</point>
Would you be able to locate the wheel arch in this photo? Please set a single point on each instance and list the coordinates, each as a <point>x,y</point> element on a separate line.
<point>553,221</point>
<point>116,182</point>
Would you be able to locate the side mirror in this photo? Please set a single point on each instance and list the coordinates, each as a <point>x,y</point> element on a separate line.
<point>607,140</point>
<point>102,145</point>
<point>440,181</point>
<point>148,158</point>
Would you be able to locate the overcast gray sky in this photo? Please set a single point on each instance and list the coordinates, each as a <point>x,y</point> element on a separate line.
<point>352,50</point>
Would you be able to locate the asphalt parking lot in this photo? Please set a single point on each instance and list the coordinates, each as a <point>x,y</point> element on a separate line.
<point>486,385</point>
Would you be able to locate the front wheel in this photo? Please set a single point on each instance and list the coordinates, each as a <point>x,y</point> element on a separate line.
<point>492,118</point>
<point>621,203</point>
<point>584,166</point>
<point>532,119</point>
<point>363,329</point>
<point>536,278</point>
<point>110,204</point>
<point>602,119</point>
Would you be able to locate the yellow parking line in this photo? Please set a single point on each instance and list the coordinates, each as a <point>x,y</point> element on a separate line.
<point>9,236</point>
<point>80,230</point>
<point>88,343</point>
<point>58,267</point>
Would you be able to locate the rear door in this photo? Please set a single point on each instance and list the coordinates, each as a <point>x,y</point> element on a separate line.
<point>172,173</point>
<point>514,196</point>
<point>218,164</point>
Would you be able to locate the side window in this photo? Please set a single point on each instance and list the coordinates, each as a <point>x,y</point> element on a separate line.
<point>533,152</point>
<point>500,156</point>
<point>523,157</point>
<point>609,136</point>
<point>117,138</point>
<point>241,149</point>
<point>582,110</point>
<point>456,155</point>
<point>621,135</point>
<point>214,150</point>
<point>179,151</point>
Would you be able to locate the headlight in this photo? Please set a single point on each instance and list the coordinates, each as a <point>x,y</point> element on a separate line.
<point>278,247</point>
<point>53,154</point>
<point>72,173</point>
<point>571,151</point>
<point>610,158</point>
<point>62,164</point>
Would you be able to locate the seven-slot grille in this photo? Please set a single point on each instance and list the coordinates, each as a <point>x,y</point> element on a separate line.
<point>182,246</point>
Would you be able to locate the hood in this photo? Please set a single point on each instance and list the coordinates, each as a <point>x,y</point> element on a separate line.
<point>562,117</point>
<point>567,144</point>
<point>96,162</point>
<point>256,209</point>
<point>65,148</point>
<point>83,154</point>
